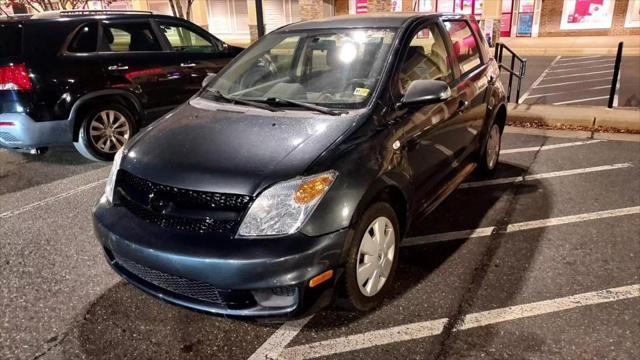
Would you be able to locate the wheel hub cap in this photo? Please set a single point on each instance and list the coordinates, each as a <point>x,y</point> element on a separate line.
<point>109,131</point>
<point>375,256</point>
<point>493,147</point>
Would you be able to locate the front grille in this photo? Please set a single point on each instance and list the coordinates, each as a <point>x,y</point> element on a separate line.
<point>186,287</point>
<point>180,209</point>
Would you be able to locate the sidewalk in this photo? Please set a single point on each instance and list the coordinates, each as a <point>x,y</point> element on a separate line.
<point>593,118</point>
<point>573,45</point>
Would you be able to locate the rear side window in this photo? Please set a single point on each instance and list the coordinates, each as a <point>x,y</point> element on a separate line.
<point>183,39</point>
<point>465,46</point>
<point>11,44</point>
<point>129,37</point>
<point>85,39</point>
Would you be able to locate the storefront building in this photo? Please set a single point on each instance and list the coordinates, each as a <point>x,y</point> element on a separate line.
<point>235,20</point>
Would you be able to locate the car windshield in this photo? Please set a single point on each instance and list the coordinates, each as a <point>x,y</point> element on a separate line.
<point>330,68</point>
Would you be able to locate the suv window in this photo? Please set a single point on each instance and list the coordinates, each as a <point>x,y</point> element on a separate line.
<point>85,40</point>
<point>183,39</point>
<point>465,46</point>
<point>134,36</point>
<point>426,58</point>
<point>11,44</point>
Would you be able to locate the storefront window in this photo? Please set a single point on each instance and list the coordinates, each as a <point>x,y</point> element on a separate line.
<point>586,14</point>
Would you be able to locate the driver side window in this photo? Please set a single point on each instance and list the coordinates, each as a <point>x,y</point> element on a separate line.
<point>426,59</point>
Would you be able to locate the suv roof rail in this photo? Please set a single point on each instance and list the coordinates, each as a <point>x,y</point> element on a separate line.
<point>88,12</point>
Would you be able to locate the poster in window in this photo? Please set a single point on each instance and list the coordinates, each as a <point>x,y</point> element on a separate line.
<point>362,6</point>
<point>525,23</point>
<point>396,5</point>
<point>633,14</point>
<point>587,14</point>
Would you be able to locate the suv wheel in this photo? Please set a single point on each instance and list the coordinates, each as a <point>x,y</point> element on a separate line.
<point>105,130</point>
<point>372,258</point>
<point>491,153</point>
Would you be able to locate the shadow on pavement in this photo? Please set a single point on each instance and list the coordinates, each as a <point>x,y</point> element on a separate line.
<point>125,323</point>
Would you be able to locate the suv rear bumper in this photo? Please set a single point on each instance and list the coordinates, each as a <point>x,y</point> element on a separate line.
<point>19,131</point>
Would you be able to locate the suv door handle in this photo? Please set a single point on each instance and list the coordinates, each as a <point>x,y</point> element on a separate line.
<point>187,64</point>
<point>462,106</point>
<point>117,67</point>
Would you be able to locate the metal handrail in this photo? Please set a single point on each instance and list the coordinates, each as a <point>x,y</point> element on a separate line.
<point>500,47</point>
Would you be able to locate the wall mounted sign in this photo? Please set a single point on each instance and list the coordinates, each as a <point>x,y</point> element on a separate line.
<point>396,5</point>
<point>587,14</point>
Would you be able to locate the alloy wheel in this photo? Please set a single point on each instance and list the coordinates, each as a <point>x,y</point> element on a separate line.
<point>375,256</point>
<point>493,147</point>
<point>109,131</point>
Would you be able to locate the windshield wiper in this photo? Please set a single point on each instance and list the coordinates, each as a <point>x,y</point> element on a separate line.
<point>305,105</point>
<point>234,99</point>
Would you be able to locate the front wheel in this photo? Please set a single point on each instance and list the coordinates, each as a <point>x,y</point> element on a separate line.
<point>104,130</point>
<point>491,153</point>
<point>372,258</point>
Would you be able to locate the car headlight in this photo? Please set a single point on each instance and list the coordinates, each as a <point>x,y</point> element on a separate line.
<point>285,206</point>
<point>111,180</point>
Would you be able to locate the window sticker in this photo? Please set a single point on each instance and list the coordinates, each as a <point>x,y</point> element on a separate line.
<point>361,91</point>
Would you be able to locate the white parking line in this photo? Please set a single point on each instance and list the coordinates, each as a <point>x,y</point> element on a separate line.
<point>583,62</point>
<point>538,80</point>
<point>569,91</point>
<point>485,231</point>
<point>434,327</point>
<point>582,74</point>
<point>49,200</point>
<point>272,348</point>
<point>581,68</point>
<point>581,58</point>
<point>581,100</point>
<point>547,147</point>
<point>572,82</point>
<point>522,178</point>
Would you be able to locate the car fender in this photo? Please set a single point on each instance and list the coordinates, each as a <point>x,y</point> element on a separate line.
<point>74,122</point>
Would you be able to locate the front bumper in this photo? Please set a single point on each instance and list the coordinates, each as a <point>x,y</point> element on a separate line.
<point>217,276</point>
<point>25,133</point>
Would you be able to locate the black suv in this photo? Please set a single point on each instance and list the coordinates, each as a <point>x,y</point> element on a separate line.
<point>262,194</point>
<point>95,77</point>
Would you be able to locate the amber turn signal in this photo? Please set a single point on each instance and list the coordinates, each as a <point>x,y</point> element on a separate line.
<point>312,189</point>
<point>321,278</point>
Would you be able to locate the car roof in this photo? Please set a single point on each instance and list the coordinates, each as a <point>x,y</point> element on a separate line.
<point>378,20</point>
<point>84,15</point>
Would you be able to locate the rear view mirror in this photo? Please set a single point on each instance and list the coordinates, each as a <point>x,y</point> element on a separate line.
<point>425,92</point>
<point>208,79</point>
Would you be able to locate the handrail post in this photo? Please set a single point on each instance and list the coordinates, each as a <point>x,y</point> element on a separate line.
<point>523,66</point>
<point>616,74</point>
<point>513,65</point>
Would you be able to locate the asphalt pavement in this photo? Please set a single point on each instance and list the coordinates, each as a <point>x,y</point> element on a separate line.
<point>577,80</point>
<point>538,262</point>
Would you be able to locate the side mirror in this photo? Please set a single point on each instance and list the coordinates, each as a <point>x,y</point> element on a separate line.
<point>425,92</point>
<point>208,79</point>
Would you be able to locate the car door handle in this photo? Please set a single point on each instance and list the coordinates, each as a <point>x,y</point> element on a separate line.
<point>462,106</point>
<point>117,67</point>
<point>187,64</point>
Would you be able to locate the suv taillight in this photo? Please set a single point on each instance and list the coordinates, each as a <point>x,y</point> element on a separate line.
<point>14,77</point>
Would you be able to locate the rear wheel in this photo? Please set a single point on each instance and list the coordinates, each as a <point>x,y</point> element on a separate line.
<point>491,153</point>
<point>372,258</point>
<point>105,130</point>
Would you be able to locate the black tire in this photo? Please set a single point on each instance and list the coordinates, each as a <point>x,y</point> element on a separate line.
<point>87,146</point>
<point>487,164</point>
<point>354,298</point>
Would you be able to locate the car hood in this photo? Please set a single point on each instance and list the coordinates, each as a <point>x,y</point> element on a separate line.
<point>209,146</point>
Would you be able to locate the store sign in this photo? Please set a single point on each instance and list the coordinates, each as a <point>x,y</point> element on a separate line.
<point>633,14</point>
<point>396,5</point>
<point>587,14</point>
<point>362,6</point>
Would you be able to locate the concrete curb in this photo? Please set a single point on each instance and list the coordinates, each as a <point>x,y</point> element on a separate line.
<point>578,116</point>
